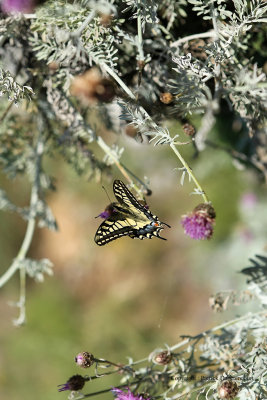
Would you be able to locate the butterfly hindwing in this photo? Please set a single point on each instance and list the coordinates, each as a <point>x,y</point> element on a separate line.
<point>111,229</point>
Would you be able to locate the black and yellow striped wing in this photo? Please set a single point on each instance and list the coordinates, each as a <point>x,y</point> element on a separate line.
<point>128,218</point>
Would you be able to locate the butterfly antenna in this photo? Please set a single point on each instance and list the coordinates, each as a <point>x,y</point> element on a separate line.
<point>164,223</point>
<point>105,190</point>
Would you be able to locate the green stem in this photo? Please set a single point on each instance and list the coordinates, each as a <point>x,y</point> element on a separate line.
<point>189,171</point>
<point>118,80</point>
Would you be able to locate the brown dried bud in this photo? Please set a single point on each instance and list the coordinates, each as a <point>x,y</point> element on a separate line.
<point>85,359</point>
<point>166,98</point>
<point>196,47</point>
<point>189,129</point>
<point>91,87</point>
<point>163,358</point>
<point>228,389</point>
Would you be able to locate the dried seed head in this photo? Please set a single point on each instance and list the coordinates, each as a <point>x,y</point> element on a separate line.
<point>189,129</point>
<point>228,389</point>
<point>76,382</point>
<point>85,359</point>
<point>166,98</point>
<point>163,358</point>
<point>217,303</point>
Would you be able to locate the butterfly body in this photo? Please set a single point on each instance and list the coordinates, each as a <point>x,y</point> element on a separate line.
<point>127,217</point>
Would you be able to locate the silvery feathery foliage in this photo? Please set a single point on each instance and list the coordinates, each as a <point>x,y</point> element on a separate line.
<point>15,91</point>
<point>37,268</point>
<point>233,353</point>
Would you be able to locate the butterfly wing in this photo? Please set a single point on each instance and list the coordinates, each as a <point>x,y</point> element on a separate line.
<point>130,218</point>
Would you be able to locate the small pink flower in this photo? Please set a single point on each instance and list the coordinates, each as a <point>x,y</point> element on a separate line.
<point>248,200</point>
<point>199,223</point>
<point>121,395</point>
<point>23,6</point>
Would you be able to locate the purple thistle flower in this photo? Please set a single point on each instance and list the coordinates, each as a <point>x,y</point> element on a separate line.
<point>121,395</point>
<point>76,382</point>
<point>23,6</point>
<point>199,223</point>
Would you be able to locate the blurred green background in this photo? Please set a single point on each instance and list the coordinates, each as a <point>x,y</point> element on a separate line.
<point>128,297</point>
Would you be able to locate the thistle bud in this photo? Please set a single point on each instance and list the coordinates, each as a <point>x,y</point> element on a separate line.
<point>228,390</point>
<point>189,129</point>
<point>163,358</point>
<point>76,382</point>
<point>85,359</point>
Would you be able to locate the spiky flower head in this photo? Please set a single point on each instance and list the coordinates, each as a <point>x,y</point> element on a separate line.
<point>85,359</point>
<point>121,395</point>
<point>76,382</point>
<point>199,223</point>
<point>228,389</point>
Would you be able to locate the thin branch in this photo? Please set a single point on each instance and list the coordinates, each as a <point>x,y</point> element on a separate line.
<point>18,261</point>
<point>140,35</point>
